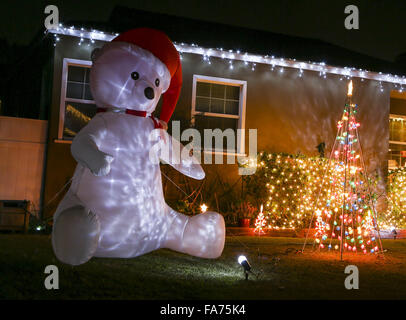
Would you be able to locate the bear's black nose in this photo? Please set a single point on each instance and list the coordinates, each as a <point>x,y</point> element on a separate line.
<point>149,93</point>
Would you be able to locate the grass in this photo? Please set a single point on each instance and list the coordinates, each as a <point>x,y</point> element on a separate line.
<point>164,274</point>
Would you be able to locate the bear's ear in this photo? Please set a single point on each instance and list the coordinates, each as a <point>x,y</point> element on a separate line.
<point>95,54</point>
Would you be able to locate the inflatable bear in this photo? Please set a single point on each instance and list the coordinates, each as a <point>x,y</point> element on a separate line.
<point>115,206</point>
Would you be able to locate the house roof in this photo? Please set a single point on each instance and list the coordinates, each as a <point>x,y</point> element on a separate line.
<point>262,46</point>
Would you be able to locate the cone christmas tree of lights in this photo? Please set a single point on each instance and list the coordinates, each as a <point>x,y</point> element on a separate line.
<point>344,215</point>
<point>260,223</point>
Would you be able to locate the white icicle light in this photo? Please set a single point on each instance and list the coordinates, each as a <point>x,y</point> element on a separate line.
<point>321,67</point>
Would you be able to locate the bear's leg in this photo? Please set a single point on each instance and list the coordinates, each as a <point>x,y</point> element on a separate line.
<point>202,235</point>
<point>75,235</point>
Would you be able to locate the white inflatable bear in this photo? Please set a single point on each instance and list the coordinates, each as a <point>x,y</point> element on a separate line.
<point>115,206</point>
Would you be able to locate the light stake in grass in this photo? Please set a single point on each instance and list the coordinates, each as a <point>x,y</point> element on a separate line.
<point>242,260</point>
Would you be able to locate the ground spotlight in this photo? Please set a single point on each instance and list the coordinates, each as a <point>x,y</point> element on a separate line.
<point>242,260</point>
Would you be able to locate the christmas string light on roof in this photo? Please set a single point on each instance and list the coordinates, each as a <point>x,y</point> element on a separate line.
<point>347,220</point>
<point>252,59</point>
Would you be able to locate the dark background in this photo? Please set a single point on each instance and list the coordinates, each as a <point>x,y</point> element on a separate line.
<point>302,29</point>
<point>382,22</point>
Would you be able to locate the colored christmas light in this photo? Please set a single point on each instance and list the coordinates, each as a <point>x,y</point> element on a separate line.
<point>349,193</point>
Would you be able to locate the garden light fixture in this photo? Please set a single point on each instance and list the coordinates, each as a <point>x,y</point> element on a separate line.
<point>242,260</point>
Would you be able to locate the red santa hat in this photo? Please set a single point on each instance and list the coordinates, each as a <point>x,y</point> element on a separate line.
<point>161,47</point>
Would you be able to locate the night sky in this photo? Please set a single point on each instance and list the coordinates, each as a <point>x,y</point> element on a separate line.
<point>382,32</point>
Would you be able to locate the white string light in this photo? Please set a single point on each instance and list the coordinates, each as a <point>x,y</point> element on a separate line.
<point>231,64</point>
<point>207,53</point>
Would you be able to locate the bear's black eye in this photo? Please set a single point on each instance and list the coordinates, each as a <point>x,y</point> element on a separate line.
<point>157,82</point>
<point>135,75</point>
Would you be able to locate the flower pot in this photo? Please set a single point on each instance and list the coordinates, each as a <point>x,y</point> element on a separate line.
<point>244,223</point>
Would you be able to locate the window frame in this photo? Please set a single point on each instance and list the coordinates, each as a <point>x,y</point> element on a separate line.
<point>401,143</point>
<point>240,147</point>
<point>396,116</point>
<point>63,99</point>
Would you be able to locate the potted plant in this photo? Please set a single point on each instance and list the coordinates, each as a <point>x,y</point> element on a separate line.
<point>244,211</point>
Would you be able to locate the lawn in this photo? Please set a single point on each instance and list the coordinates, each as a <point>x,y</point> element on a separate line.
<point>163,274</point>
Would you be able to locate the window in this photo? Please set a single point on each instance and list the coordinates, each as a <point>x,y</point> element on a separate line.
<point>77,105</point>
<point>397,141</point>
<point>219,103</point>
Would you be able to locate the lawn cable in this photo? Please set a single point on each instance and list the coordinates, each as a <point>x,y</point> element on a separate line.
<point>175,184</point>
<point>232,235</point>
<point>57,194</point>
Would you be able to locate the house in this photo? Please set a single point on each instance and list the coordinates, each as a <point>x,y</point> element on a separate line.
<point>291,90</point>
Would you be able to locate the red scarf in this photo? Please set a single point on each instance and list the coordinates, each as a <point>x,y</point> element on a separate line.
<point>137,113</point>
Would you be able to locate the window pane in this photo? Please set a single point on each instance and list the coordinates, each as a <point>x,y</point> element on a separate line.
<point>77,115</point>
<point>74,90</point>
<point>88,93</point>
<point>232,107</point>
<point>87,78</point>
<point>76,74</point>
<point>233,92</point>
<point>221,123</point>
<point>224,99</point>
<point>230,123</point>
<point>397,130</point>
<point>217,106</point>
<point>203,104</point>
<point>218,90</point>
<point>206,122</point>
<point>397,152</point>
<point>203,89</point>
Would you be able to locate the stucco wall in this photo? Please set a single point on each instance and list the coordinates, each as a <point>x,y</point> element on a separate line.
<point>295,114</point>
<point>22,152</point>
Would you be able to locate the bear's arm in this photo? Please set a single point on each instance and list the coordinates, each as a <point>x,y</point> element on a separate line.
<point>178,157</point>
<point>85,147</point>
